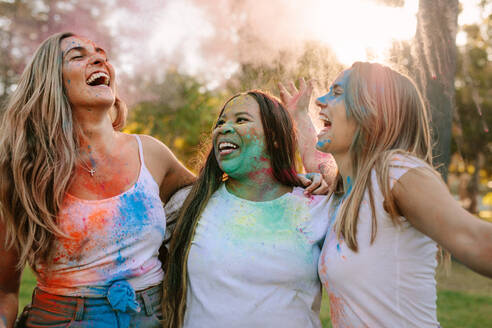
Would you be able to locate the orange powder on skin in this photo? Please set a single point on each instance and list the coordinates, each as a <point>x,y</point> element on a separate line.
<point>119,181</point>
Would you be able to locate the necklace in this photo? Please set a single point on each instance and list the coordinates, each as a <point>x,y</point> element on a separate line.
<point>88,168</point>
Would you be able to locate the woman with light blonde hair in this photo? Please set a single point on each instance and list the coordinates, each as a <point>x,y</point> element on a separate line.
<point>80,201</point>
<point>390,209</point>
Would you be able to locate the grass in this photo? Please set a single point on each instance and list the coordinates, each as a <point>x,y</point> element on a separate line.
<point>464,298</point>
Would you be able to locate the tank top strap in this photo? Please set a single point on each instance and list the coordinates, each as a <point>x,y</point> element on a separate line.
<point>140,150</point>
<point>144,171</point>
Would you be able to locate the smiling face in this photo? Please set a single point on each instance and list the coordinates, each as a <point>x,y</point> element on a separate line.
<point>338,130</point>
<point>88,77</point>
<point>239,141</point>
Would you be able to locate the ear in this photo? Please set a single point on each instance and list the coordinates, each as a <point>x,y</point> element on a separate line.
<point>224,177</point>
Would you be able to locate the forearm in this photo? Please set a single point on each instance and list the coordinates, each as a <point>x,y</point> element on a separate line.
<point>475,248</point>
<point>8,309</point>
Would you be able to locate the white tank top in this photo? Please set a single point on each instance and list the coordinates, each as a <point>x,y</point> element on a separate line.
<point>113,239</point>
<point>390,283</point>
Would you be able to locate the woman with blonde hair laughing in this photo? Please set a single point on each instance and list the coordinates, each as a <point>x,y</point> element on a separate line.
<point>390,209</point>
<point>80,201</point>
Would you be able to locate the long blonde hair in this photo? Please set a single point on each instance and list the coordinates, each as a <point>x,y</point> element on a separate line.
<point>38,153</point>
<point>392,119</point>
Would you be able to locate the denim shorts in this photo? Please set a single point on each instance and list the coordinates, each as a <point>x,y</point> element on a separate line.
<point>49,310</point>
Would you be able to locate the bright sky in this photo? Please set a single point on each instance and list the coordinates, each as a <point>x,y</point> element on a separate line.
<point>352,28</point>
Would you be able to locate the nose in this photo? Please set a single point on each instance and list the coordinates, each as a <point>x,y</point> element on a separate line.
<point>323,100</point>
<point>226,128</point>
<point>320,103</point>
<point>97,59</point>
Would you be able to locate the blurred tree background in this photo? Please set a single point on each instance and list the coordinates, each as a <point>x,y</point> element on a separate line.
<point>472,143</point>
<point>180,108</point>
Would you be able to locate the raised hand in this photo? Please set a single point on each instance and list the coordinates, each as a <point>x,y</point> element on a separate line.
<point>296,101</point>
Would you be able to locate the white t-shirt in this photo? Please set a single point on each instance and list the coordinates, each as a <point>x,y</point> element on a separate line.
<point>254,264</point>
<point>390,283</point>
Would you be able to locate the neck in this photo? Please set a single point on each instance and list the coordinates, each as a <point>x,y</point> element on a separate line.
<point>344,164</point>
<point>257,186</point>
<point>96,130</point>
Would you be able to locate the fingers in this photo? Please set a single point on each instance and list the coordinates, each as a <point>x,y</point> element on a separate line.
<point>302,84</point>
<point>323,189</point>
<point>304,180</point>
<point>292,88</point>
<point>284,94</point>
<point>315,180</point>
<point>310,86</point>
<point>314,184</point>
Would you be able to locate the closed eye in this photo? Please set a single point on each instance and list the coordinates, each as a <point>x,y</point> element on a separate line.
<point>241,120</point>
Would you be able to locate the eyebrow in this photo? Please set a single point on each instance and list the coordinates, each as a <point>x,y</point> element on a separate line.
<point>79,48</point>
<point>244,113</point>
<point>236,115</point>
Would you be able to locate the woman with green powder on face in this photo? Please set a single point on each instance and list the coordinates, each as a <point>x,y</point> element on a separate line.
<point>245,249</point>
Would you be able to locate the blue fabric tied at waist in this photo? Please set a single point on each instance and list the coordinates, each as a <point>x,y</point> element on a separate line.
<point>123,299</point>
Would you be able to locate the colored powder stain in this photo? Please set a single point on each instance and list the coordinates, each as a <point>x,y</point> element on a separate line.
<point>324,99</point>
<point>97,220</point>
<point>132,209</point>
<point>265,171</point>
<point>349,184</point>
<point>323,270</point>
<point>120,259</point>
<point>339,250</point>
<point>68,81</point>
<point>322,143</point>
<point>274,225</point>
<point>337,312</point>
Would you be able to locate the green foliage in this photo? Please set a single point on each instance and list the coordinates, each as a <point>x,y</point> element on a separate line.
<point>181,113</point>
<point>473,117</point>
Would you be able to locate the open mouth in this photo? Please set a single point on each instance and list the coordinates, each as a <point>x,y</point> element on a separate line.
<point>98,78</point>
<point>326,124</point>
<point>226,147</point>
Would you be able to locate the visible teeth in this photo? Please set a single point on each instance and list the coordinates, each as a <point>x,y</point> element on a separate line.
<point>224,145</point>
<point>326,122</point>
<point>97,75</point>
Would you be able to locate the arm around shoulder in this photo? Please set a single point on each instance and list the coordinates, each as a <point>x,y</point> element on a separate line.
<point>167,170</point>
<point>425,201</point>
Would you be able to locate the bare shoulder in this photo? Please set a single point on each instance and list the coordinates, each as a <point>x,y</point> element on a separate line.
<point>153,146</point>
<point>157,157</point>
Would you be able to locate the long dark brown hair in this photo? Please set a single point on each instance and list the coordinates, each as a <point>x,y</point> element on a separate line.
<point>280,142</point>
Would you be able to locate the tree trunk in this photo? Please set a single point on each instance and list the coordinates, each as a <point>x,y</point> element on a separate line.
<point>434,52</point>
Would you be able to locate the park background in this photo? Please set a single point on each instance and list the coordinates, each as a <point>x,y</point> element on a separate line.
<point>178,60</point>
